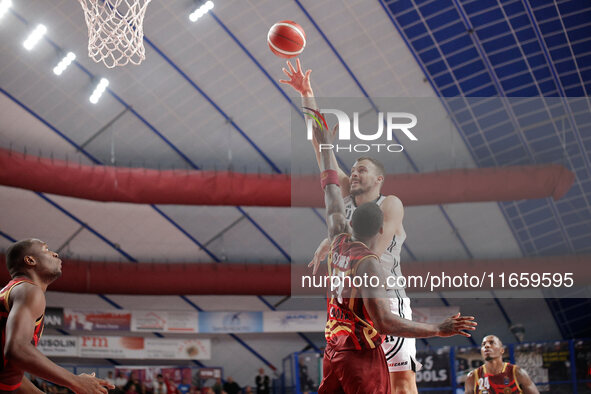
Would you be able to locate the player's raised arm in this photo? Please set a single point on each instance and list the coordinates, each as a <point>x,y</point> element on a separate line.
<point>300,81</point>
<point>526,384</point>
<point>335,206</point>
<point>377,304</point>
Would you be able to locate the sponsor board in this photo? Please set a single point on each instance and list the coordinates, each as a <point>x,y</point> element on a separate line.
<point>178,349</point>
<point>97,320</point>
<point>164,321</point>
<point>230,322</point>
<point>294,321</point>
<point>60,346</point>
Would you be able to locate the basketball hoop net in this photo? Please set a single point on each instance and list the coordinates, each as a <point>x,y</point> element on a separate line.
<point>115,30</point>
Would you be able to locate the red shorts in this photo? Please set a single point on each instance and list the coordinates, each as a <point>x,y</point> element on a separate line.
<point>355,371</point>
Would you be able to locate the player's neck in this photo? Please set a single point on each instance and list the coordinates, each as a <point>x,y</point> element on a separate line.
<point>495,366</point>
<point>369,196</point>
<point>31,277</point>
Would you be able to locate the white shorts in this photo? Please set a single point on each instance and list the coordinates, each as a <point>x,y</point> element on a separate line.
<point>401,352</point>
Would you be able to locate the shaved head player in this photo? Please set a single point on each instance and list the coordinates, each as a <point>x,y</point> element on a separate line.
<point>364,185</point>
<point>358,315</point>
<point>32,267</point>
<point>496,376</point>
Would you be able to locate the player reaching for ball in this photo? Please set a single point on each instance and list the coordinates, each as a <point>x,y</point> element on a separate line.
<point>496,376</point>
<point>359,314</point>
<point>364,185</point>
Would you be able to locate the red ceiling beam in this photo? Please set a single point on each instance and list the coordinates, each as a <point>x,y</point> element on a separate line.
<point>146,186</point>
<point>285,279</point>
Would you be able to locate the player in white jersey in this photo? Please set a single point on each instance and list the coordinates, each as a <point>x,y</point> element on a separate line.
<point>364,185</point>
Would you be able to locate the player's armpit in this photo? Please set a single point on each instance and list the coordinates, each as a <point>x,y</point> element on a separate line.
<point>469,385</point>
<point>526,384</point>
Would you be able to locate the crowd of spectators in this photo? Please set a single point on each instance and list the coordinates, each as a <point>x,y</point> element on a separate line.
<point>132,384</point>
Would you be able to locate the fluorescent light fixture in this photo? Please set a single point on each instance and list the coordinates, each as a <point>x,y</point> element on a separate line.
<point>98,91</point>
<point>4,7</point>
<point>34,37</point>
<point>64,63</point>
<point>199,12</point>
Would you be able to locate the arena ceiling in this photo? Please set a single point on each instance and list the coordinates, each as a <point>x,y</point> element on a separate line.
<point>207,97</point>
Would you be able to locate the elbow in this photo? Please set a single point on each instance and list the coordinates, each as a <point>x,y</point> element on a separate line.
<point>16,353</point>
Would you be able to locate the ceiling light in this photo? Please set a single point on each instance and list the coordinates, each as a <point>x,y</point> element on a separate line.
<point>199,12</point>
<point>34,37</point>
<point>98,91</point>
<point>4,7</point>
<point>64,63</point>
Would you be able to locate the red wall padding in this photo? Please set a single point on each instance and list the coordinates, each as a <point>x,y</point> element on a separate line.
<point>145,186</point>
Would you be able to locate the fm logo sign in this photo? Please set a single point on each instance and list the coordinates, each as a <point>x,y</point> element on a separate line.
<point>395,121</point>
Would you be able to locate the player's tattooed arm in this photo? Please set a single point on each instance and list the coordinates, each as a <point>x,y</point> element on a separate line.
<point>469,385</point>
<point>526,384</point>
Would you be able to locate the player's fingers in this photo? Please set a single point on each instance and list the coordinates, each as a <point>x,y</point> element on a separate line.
<point>464,334</point>
<point>307,76</point>
<point>464,327</point>
<point>316,265</point>
<point>285,82</point>
<point>466,318</point>
<point>291,67</point>
<point>103,382</point>
<point>286,72</point>
<point>299,65</point>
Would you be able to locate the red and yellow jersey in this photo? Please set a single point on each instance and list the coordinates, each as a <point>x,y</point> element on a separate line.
<point>502,383</point>
<point>10,378</point>
<point>348,325</point>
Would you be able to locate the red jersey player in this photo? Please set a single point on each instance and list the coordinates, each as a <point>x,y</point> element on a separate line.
<point>359,315</point>
<point>32,267</point>
<point>496,376</point>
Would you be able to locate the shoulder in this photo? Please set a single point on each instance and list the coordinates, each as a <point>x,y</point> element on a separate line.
<point>369,265</point>
<point>29,294</point>
<point>392,202</point>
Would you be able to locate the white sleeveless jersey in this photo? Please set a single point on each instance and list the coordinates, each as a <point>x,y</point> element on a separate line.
<point>391,257</point>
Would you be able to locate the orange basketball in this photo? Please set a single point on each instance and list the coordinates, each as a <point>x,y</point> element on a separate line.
<point>286,39</point>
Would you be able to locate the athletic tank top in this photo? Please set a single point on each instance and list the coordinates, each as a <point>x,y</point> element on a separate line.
<point>502,383</point>
<point>348,325</point>
<point>10,378</point>
<point>391,257</point>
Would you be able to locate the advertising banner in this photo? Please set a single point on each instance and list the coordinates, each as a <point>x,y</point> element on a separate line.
<point>164,321</point>
<point>54,345</point>
<point>112,347</point>
<point>294,321</point>
<point>178,349</point>
<point>54,317</point>
<point>117,320</point>
<point>230,322</point>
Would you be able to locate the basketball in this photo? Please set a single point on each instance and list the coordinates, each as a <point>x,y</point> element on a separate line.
<point>286,39</point>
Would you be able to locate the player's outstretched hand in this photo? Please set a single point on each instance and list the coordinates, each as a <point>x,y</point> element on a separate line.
<point>89,384</point>
<point>323,136</point>
<point>456,325</point>
<point>319,255</point>
<point>297,79</point>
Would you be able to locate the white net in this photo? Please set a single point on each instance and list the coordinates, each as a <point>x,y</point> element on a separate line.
<point>115,30</point>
